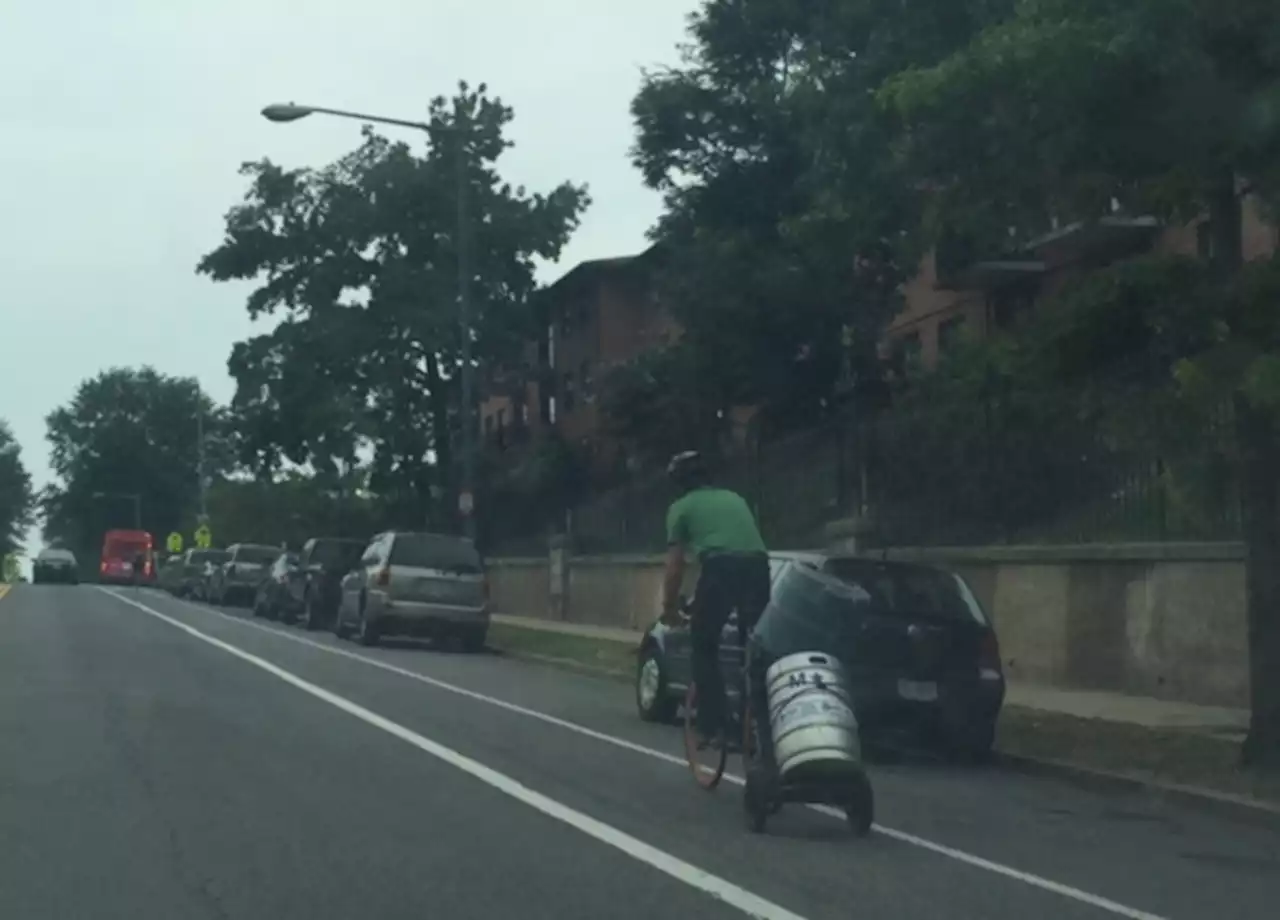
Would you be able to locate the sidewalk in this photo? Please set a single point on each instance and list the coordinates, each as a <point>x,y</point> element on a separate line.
<point>1081,704</point>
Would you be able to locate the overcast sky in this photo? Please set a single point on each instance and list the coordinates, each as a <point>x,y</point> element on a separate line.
<point>123,123</point>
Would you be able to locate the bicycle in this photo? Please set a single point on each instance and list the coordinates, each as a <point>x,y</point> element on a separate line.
<point>708,775</point>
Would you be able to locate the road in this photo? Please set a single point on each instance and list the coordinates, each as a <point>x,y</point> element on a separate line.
<point>163,759</point>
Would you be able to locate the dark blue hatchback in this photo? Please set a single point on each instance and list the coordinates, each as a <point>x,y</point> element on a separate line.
<point>921,654</point>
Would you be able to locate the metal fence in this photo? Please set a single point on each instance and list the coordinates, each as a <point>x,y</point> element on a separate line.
<point>1096,462</point>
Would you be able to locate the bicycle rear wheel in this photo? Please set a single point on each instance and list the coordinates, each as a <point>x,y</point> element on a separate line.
<point>705,763</point>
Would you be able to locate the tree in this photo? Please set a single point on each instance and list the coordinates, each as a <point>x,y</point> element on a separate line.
<point>651,406</point>
<point>1172,107</point>
<point>16,498</point>
<point>291,507</point>
<point>361,258</point>
<point>129,433</point>
<point>785,208</point>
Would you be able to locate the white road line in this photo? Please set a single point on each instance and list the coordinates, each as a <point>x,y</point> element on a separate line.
<point>721,889</point>
<point>1036,881</point>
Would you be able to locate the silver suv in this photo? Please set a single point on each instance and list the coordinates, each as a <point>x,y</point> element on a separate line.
<point>416,584</point>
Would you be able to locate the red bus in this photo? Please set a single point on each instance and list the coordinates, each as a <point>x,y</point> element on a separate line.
<point>119,550</point>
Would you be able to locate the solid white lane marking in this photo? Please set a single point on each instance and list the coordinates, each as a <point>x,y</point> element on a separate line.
<point>979,862</point>
<point>721,889</point>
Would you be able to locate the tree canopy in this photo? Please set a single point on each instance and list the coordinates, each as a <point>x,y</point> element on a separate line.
<point>129,433</point>
<point>360,260</point>
<point>16,498</point>
<point>787,215</point>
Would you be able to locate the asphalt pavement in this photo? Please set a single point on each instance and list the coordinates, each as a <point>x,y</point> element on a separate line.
<point>164,759</point>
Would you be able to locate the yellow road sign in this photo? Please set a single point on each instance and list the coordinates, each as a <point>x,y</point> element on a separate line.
<point>173,542</point>
<point>204,536</point>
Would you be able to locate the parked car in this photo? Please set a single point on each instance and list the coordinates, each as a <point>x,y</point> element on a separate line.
<point>324,562</point>
<point>275,597</point>
<point>169,573</point>
<point>197,571</point>
<point>237,578</point>
<point>921,654</point>
<point>55,565</point>
<point>416,584</point>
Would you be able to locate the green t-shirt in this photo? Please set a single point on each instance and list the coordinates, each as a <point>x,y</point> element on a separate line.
<point>711,520</point>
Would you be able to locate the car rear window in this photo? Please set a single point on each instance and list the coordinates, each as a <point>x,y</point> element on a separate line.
<point>123,550</point>
<point>911,590</point>
<point>56,555</point>
<point>263,555</point>
<point>216,556</point>
<point>435,551</point>
<point>337,552</point>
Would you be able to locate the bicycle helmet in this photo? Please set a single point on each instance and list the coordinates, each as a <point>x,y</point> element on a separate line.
<point>687,469</point>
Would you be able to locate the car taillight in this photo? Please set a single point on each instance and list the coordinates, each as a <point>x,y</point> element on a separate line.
<point>384,576</point>
<point>102,566</point>
<point>989,656</point>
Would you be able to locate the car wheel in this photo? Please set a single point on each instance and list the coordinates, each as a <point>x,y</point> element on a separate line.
<point>339,622</point>
<point>472,640</point>
<point>654,701</point>
<point>971,744</point>
<point>366,632</point>
<point>310,614</point>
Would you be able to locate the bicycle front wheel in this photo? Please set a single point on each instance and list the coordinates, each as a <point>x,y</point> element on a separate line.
<point>706,763</point>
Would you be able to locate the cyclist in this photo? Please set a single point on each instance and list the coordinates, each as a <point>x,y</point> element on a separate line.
<point>717,526</point>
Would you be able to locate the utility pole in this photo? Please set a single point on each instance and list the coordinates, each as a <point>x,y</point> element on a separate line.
<point>466,495</point>
<point>204,510</point>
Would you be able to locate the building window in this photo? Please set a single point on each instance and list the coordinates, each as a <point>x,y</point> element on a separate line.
<point>569,396</point>
<point>950,334</point>
<point>524,413</point>
<point>488,424</point>
<point>584,375</point>
<point>566,320</point>
<point>502,419</point>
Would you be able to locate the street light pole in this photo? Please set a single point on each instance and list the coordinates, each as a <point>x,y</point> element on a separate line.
<point>204,510</point>
<point>287,112</point>
<point>466,494</point>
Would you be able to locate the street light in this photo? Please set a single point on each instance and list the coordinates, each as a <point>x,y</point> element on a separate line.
<point>132,496</point>
<point>290,111</point>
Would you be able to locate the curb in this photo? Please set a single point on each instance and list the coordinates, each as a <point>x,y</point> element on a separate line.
<point>564,664</point>
<point>1223,804</point>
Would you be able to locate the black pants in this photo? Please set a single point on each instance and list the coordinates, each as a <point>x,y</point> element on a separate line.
<point>727,583</point>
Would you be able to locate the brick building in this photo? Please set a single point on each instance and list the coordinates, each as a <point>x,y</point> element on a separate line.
<point>953,295</point>
<point>604,312</point>
<point>598,315</point>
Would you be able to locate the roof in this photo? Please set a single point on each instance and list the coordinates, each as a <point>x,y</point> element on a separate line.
<point>597,267</point>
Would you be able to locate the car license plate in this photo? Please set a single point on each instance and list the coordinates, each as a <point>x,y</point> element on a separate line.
<point>921,691</point>
<point>126,567</point>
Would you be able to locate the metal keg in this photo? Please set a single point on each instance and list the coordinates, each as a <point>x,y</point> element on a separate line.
<point>815,731</point>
